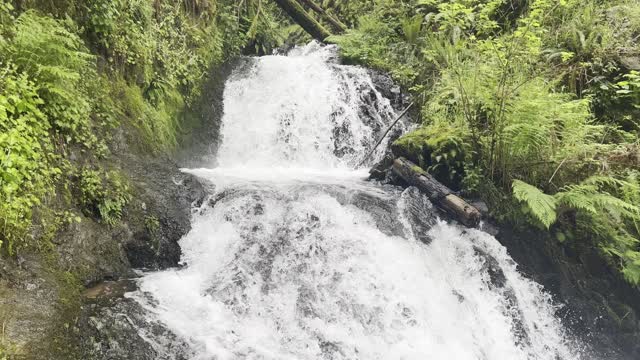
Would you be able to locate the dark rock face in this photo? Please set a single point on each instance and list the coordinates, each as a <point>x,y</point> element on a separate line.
<point>26,298</point>
<point>420,212</point>
<point>117,331</point>
<point>400,100</point>
<point>169,195</point>
<point>162,195</point>
<point>599,306</point>
<point>201,122</point>
<point>498,282</point>
<point>389,89</point>
<point>39,291</point>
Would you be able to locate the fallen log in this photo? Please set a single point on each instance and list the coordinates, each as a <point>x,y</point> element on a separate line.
<point>337,24</point>
<point>439,194</point>
<point>302,18</point>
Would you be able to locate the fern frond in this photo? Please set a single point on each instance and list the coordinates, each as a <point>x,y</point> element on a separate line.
<point>577,197</point>
<point>542,206</point>
<point>609,181</point>
<point>616,207</point>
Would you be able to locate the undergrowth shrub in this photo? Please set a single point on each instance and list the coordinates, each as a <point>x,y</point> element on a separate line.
<point>375,45</point>
<point>157,120</point>
<point>587,44</point>
<point>27,161</point>
<point>118,28</point>
<point>58,62</point>
<point>48,103</point>
<point>72,71</point>
<point>103,194</point>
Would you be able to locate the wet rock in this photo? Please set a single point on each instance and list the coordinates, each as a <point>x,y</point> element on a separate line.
<point>624,315</point>
<point>109,290</point>
<point>118,332</point>
<point>497,279</point>
<point>96,248</point>
<point>459,296</point>
<point>171,195</point>
<point>330,350</point>
<point>202,119</point>
<point>389,89</point>
<point>498,282</point>
<point>28,297</point>
<point>383,211</point>
<point>380,170</point>
<point>598,304</point>
<point>481,206</point>
<point>419,212</point>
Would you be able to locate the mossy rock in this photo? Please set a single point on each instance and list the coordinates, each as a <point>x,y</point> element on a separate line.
<point>441,151</point>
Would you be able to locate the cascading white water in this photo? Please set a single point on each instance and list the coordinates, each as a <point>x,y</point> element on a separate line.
<point>296,256</point>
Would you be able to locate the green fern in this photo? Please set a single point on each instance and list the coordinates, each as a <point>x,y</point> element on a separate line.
<point>541,205</point>
<point>411,28</point>
<point>57,59</point>
<point>578,197</point>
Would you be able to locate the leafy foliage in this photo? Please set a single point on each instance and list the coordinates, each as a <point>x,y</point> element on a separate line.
<point>439,149</point>
<point>538,98</point>
<point>26,171</point>
<point>541,205</point>
<point>70,72</point>
<point>46,105</point>
<point>103,195</point>
<point>58,62</point>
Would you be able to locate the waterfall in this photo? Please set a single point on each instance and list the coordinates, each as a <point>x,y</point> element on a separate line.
<point>296,256</point>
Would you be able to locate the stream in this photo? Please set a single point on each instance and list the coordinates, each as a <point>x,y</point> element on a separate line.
<point>295,255</point>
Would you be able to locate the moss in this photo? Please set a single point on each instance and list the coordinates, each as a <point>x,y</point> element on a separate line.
<point>61,334</point>
<point>441,150</point>
<point>418,169</point>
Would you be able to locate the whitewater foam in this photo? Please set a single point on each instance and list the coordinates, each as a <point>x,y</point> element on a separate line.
<point>292,259</point>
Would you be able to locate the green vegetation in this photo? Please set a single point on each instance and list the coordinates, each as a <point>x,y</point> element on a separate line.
<point>531,105</point>
<point>73,71</point>
<point>103,195</point>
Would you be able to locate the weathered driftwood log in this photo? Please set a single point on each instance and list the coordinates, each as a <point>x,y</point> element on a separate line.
<point>439,194</point>
<point>302,18</point>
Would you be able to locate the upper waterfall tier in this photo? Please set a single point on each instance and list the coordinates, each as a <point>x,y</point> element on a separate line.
<point>300,110</point>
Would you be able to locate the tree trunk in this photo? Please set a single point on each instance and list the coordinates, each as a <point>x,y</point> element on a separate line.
<point>341,27</point>
<point>302,18</point>
<point>439,194</point>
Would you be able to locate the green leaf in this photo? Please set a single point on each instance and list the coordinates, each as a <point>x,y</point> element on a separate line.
<point>542,206</point>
